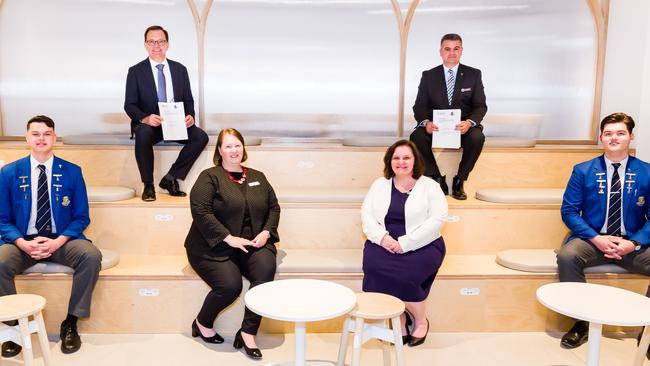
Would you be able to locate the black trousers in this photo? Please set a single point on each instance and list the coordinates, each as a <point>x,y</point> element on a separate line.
<point>225,280</point>
<point>79,254</point>
<point>147,136</point>
<point>472,143</point>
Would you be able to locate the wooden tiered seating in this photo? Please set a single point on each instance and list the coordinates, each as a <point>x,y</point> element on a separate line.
<point>320,187</point>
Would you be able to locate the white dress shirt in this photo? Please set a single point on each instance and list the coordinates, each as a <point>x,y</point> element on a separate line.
<point>35,173</point>
<point>169,87</point>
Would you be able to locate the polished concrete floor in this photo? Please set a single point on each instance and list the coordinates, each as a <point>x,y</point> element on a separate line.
<point>449,349</point>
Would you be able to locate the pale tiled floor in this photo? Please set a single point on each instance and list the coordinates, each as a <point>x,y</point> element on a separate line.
<point>455,349</point>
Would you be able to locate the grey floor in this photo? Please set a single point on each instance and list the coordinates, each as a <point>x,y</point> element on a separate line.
<point>502,349</point>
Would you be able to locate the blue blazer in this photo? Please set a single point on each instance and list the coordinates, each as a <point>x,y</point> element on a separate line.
<point>584,208</point>
<point>141,97</point>
<point>69,199</point>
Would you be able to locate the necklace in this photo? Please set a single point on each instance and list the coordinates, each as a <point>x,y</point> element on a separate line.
<point>240,180</point>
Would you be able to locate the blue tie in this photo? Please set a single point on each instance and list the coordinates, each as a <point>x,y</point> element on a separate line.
<point>43,215</point>
<point>614,212</point>
<point>451,80</point>
<point>162,84</point>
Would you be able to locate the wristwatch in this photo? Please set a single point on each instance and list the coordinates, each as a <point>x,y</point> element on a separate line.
<point>637,246</point>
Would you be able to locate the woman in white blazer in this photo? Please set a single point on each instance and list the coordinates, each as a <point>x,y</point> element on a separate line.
<point>402,215</point>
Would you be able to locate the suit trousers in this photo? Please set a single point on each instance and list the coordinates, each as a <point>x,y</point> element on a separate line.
<point>225,280</point>
<point>472,143</point>
<point>147,136</point>
<point>578,254</point>
<point>79,254</point>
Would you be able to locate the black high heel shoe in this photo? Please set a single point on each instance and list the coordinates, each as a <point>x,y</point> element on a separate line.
<point>238,343</point>
<point>407,338</point>
<point>416,341</point>
<point>196,332</point>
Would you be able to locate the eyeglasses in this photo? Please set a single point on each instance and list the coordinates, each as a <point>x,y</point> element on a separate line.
<point>157,43</point>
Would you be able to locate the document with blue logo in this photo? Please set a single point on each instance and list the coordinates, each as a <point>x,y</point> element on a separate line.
<point>173,121</point>
<point>447,135</point>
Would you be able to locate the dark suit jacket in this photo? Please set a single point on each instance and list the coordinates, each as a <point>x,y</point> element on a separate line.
<point>584,208</point>
<point>68,199</point>
<point>217,206</point>
<point>141,97</point>
<point>469,95</point>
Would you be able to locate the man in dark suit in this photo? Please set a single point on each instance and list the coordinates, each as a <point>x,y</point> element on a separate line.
<point>158,79</point>
<point>43,213</point>
<point>451,86</point>
<point>606,207</point>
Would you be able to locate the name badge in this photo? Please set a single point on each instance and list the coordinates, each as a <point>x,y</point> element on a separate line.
<point>462,90</point>
<point>253,184</point>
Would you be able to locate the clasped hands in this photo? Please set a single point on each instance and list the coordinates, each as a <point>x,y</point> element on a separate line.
<point>41,247</point>
<point>613,247</point>
<point>155,120</point>
<point>463,127</point>
<point>241,243</point>
<point>391,245</point>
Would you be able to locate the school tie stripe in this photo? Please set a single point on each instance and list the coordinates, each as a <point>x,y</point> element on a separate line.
<point>614,212</point>
<point>43,211</point>
<point>451,80</point>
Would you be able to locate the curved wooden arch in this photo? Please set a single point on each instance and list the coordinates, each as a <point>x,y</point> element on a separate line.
<point>600,12</point>
<point>200,20</point>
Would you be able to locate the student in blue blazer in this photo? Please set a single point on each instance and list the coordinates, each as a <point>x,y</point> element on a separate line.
<point>43,213</point>
<point>605,206</point>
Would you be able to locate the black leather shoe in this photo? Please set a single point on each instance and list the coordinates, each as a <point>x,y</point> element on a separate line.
<point>196,332</point>
<point>442,181</point>
<point>149,193</point>
<point>638,340</point>
<point>416,341</point>
<point>70,340</point>
<point>409,321</point>
<point>171,185</point>
<point>576,336</point>
<point>238,343</point>
<point>457,190</point>
<point>10,349</point>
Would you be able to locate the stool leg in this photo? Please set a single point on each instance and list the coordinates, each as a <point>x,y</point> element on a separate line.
<point>397,334</point>
<point>357,342</point>
<point>385,345</point>
<point>343,347</point>
<point>26,341</point>
<point>42,339</point>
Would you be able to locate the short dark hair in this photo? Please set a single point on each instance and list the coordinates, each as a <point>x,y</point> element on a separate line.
<point>41,119</point>
<point>418,164</point>
<point>155,28</point>
<point>218,160</point>
<point>618,117</point>
<point>451,37</point>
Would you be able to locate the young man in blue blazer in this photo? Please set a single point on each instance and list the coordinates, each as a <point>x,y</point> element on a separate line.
<point>605,206</point>
<point>43,213</point>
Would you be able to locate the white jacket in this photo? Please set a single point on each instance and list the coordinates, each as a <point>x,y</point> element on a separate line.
<point>425,210</point>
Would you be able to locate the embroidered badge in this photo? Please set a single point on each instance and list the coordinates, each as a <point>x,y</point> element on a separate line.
<point>641,201</point>
<point>65,201</point>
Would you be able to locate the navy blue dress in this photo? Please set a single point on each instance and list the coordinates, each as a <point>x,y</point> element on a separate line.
<point>407,276</point>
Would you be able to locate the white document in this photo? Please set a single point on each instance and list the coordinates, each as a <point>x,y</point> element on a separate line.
<point>447,136</point>
<point>173,124</point>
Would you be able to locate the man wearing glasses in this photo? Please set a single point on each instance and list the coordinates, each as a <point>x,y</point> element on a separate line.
<point>158,79</point>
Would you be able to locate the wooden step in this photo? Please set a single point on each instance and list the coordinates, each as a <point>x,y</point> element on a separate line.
<point>291,166</point>
<point>136,227</point>
<point>162,294</point>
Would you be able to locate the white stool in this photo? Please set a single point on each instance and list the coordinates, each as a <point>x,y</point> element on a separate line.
<point>373,306</point>
<point>21,307</point>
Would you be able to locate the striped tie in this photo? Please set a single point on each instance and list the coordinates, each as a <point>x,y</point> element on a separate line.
<point>162,84</point>
<point>43,215</point>
<point>451,80</point>
<point>614,212</point>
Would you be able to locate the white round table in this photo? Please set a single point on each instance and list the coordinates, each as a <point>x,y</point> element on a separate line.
<point>300,301</point>
<point>599,304</point>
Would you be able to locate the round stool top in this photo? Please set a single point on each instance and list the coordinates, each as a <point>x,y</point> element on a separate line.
<point>373,305</point>
<point>13,307</point>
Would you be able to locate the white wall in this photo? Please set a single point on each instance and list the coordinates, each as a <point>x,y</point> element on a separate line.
<point>626,85</point>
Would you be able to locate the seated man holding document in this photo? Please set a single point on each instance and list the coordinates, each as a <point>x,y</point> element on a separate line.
<point>161,107</point>
<point>453,93</point>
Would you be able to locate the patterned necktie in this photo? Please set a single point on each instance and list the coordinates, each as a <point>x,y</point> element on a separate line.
<point>451,80</point>
<point>43,215</point>
<point>614,212</point>
<point>162,84</point>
